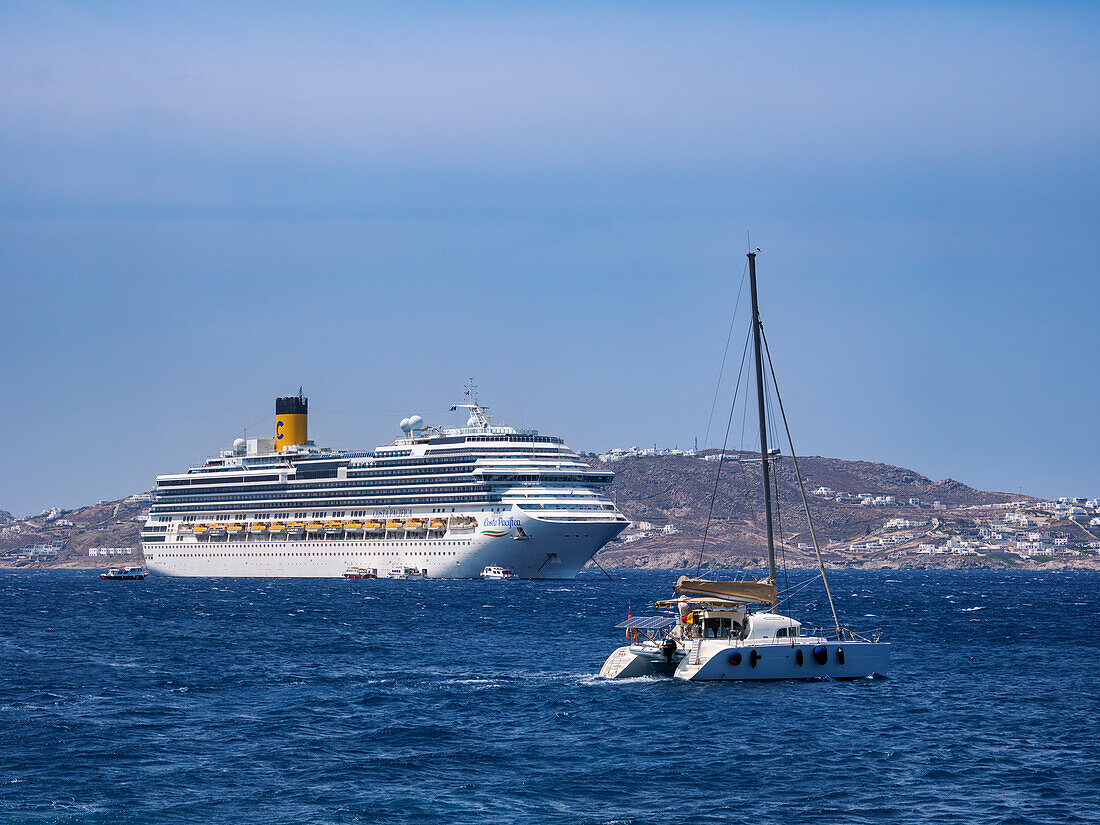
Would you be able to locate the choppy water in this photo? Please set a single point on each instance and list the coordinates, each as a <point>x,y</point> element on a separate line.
<point>323,701</point>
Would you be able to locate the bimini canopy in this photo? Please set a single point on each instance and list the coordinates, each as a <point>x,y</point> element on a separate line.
<point>648,623</point>
<point>764,592</point>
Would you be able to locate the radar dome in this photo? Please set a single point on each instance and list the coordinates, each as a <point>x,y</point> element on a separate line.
<point>406,424</point>
<point>471,422</point>
<point>416,423</point>
<point>239,446</point>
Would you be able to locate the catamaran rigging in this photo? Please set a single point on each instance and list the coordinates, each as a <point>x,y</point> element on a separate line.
<point>727,630</point>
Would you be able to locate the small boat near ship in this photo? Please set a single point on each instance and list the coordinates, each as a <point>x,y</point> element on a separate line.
<point>403,572</point>
<point>124,574</point>
<point>496,573</point>
<point>729,630</point>
<point>361,573</point>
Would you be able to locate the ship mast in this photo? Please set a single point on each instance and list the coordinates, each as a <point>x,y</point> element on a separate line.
<point>763,419</point>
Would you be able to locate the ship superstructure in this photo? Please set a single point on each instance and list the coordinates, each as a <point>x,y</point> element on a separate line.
<point>446,500</point>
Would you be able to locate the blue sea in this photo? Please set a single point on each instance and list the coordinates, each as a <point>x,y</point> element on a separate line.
<point>331,701</point>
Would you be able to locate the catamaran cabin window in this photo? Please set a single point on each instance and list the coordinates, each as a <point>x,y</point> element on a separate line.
<point>716,628</point>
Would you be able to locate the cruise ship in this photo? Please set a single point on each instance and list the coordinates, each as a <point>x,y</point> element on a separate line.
<point>446,501</point>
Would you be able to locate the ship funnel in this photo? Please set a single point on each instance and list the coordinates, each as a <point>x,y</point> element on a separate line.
<point>290,421</point>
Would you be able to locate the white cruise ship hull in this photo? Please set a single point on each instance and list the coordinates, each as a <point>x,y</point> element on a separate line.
<point>549,550</point>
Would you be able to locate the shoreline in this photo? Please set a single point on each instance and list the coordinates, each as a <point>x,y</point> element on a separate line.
<point>961,563</point>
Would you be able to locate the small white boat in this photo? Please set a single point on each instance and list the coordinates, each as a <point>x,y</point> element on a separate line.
<point>404,572</point>
<point>124,573</point>
<point>495,573</point>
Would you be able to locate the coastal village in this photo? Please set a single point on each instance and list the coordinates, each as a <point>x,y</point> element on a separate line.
<point>907,531</point>
<point>99,535</point>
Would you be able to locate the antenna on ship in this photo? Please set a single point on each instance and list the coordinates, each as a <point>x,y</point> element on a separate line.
<point>478,418</point>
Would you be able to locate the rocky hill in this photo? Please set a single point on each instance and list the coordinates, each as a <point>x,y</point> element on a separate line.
<point>678,490</point>
<point>107,525</point>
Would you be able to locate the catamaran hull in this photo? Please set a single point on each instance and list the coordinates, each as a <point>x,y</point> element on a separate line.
<point>766,663</point>
<point>633,662</point>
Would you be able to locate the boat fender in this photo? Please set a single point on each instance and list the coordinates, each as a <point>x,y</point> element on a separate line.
<point>754,657</point>
<point>840,655</point>
<point>798,657</point>
<point>735,659</point>
<point>821,654</point>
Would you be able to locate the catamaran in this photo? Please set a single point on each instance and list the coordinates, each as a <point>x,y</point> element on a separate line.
<point>729,630</point>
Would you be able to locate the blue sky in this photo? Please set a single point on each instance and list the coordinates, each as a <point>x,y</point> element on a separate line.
<point>203,208</point>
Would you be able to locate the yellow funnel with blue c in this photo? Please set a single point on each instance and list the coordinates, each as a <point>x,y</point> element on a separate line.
<point>290,421</point>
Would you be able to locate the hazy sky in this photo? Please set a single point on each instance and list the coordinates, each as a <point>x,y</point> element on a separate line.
<point>202,208</point>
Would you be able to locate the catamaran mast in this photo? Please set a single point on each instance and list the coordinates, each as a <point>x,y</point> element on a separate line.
<point>763,420</point>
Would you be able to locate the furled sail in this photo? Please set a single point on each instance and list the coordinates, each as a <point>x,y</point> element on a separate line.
<point>764,592</point>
